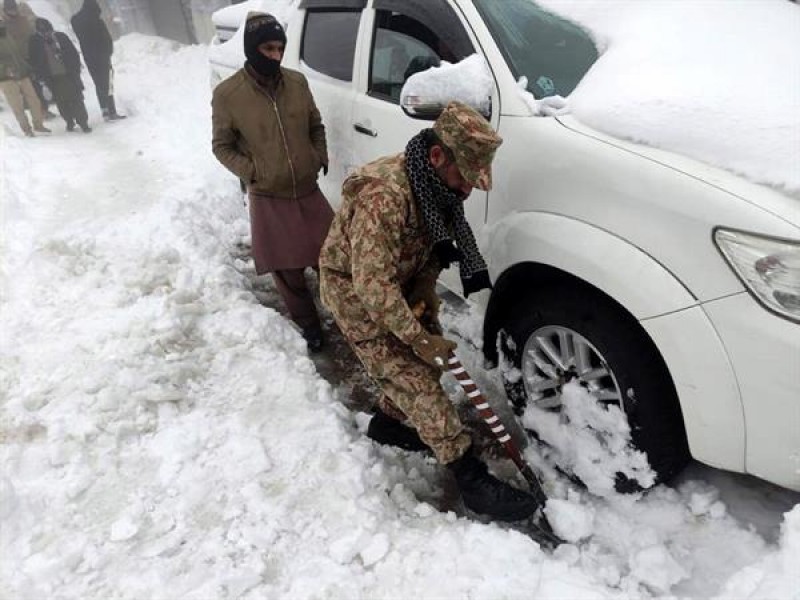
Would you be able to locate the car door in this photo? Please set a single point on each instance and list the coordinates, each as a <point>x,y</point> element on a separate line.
<point>398,38</point>
<point>327,56</point>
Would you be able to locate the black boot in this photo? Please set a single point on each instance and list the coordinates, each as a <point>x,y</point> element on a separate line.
<point>112,111</point>
<point>391,432</point>
<point>313,337</point>
<point>482,493</point>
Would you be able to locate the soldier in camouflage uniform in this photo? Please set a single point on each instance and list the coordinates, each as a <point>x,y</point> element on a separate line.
<point>401,221</point>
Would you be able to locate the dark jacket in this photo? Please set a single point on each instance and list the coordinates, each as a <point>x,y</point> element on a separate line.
<point>276,146</point>
<point>93,36</point>
<point>64,49</point>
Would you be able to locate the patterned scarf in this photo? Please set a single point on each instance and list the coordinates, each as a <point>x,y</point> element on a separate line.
<point>443,214</point>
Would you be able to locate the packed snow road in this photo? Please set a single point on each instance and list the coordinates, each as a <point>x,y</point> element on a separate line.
<point>165,434</point>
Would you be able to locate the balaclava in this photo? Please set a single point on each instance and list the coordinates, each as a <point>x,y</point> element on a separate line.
<point>261,28</point>
<point>43,26</point>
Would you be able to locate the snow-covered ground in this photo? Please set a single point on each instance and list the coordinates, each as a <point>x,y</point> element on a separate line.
<point>164,435</point>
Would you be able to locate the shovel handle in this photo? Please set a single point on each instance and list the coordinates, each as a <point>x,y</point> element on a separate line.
<point>495,425</point>
<point>488,415</point>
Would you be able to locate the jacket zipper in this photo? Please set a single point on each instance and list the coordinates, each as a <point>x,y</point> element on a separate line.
<point>286,147</point>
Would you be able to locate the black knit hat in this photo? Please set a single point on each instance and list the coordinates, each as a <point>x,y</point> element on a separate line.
<point>259,28</point>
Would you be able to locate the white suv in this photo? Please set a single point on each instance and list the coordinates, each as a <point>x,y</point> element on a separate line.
<point>664,285</point>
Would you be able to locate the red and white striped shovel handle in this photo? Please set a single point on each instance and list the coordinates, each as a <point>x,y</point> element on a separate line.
<point>495,424</point>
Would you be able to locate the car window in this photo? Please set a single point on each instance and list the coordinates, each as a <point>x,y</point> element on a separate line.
<point>329,42</point>
<point>552,53</point>
<point>412,36</point>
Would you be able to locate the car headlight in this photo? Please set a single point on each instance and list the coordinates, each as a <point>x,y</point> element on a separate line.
<point>768,267</point>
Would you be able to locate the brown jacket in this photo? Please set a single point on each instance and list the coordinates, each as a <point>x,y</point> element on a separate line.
<point>20,28</point>
<point>276,146</point>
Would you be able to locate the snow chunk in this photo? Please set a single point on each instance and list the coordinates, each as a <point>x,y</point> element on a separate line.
<point>657,569</point>
<point>589,440</point>
<point>571,522</point>
<point>375,550</point>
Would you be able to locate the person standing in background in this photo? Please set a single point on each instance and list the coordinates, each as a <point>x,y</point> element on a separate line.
<point>268,132</point>
<point>20,18</point>
<point>97,48</point>
<point>55,61</point>
<point>17,87</point>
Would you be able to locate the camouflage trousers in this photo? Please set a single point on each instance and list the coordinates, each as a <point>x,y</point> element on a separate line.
<point>412,393</point>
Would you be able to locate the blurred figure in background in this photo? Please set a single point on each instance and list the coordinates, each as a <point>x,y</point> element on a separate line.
<point>20,18</point>
<point>16,85</point>
<point>97,48</point>
<point>55,61</point>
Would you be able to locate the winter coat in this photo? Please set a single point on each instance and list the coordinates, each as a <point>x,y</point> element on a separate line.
<point>12,64</point>
<point>65,52</point>
<point>93,36</point>
<point>20,28</point>
<point>377,248</point>
<point>275,145</point>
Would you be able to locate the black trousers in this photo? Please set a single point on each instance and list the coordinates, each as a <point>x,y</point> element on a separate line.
<point>101,76</point>
<point>68,97</point>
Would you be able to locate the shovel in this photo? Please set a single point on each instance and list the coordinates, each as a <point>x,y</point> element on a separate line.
<point>543,532</point>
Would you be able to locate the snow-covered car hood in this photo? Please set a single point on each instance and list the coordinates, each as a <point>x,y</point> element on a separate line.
<point>715,81</point>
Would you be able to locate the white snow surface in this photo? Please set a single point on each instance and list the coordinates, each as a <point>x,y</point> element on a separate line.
<point>717,80</point>
<point>164,435</point>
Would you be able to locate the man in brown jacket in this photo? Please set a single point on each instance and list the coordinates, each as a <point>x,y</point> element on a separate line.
<point>402,221</point>
<point>269,133</point>
<point>16,85</point>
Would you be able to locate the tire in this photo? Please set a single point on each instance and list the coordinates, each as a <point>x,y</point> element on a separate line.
<point>637,380</point>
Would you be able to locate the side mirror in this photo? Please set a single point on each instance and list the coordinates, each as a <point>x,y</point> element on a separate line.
<point>418,107</point>
<point>425,94</point>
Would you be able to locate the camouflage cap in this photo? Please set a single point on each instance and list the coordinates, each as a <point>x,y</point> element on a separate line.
<point>471,139</point>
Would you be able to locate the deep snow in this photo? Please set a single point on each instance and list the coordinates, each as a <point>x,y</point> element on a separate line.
<point>166,436</point>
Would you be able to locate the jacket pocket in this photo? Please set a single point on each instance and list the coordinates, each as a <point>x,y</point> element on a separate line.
<point>260,171</point>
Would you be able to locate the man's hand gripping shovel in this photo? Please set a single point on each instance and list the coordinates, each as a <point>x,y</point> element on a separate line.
<point>541,529</point>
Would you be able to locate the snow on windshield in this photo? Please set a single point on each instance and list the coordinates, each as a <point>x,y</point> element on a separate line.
<point>717,81</point>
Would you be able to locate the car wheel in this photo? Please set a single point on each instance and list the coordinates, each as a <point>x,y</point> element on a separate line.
<point>575,333</point>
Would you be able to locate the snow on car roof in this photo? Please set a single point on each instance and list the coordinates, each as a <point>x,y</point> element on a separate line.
<point>717,81</point>
<point>233,16</point>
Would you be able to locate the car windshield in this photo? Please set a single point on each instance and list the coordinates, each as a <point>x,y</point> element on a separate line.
<point>553,54</point>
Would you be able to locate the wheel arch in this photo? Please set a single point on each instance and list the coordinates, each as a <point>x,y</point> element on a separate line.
<point>529,250</point>
<point>569,252</point>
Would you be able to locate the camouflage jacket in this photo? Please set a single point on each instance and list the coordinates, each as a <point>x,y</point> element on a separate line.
<point>377,247</point>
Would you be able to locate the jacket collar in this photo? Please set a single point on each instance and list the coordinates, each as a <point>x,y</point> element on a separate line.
<point>269,84</point>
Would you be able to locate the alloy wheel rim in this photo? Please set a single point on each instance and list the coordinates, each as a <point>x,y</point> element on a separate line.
<point>553,356</point>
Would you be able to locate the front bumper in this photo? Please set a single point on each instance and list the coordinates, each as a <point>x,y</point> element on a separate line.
<point>764,351</point>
